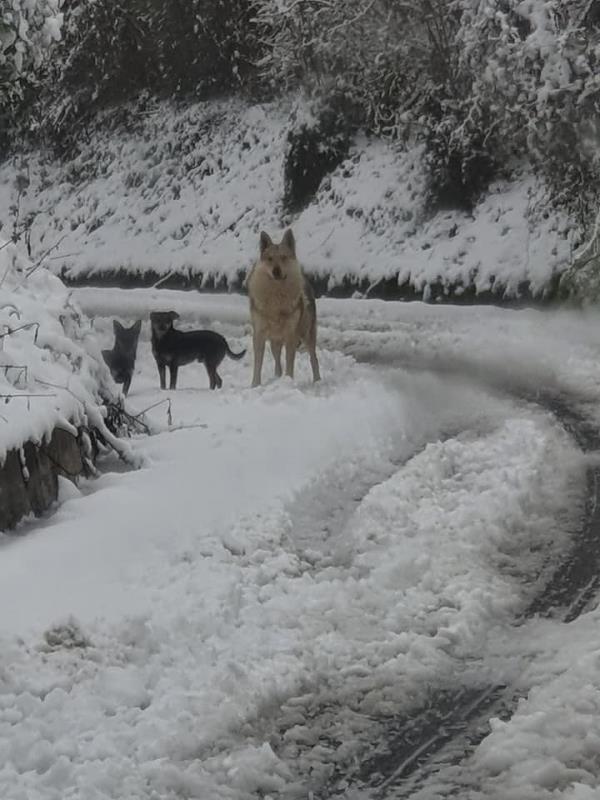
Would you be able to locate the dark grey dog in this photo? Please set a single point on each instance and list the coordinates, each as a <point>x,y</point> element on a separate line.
<point>173,349</point>
<point>121,359</point>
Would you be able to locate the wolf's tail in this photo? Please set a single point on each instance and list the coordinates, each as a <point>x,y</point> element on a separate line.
<point>235,356</point>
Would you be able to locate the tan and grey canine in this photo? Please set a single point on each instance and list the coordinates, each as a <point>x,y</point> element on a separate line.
<point>282,307</point>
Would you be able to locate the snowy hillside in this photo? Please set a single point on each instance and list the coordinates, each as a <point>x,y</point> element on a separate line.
<point>187,190</point>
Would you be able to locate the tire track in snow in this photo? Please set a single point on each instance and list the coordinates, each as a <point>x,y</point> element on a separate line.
<point>445,732</point>
<point>319,516</point>
<point>322,733</point>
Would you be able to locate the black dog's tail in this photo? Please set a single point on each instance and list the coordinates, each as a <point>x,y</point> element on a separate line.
<point>235,356</point>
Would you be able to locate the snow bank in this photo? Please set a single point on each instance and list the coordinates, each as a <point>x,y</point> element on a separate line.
<point>50,373</point>
<point>188,190</point>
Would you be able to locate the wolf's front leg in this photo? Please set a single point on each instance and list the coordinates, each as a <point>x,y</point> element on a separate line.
<point>291,345</point>
<point>259,342</point>
<point>276,350</point>
<point>312,352</point>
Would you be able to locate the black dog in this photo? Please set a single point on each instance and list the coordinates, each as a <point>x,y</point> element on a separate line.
<point>173,349</point>
<point>121,359</point>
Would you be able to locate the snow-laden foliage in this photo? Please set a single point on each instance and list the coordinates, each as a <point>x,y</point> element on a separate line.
<point>381,56</point>
<point>113,52</point>
<point>478,80</point>
<point>51,370</point>
<point>534,72</point>
<point>480,85</point>
<point>28,28</point>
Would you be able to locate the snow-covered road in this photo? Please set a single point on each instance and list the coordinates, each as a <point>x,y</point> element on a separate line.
<point>299,565</point>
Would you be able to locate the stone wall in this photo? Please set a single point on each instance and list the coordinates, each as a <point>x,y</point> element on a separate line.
<point>29,475</point>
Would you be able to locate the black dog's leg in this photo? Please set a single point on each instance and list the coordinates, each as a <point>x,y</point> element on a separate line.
<point>173,367</point>
<point>126,385</point>
<point>162,374</point>
<point>212,375</point>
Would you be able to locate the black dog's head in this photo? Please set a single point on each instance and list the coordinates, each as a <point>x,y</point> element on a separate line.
<point>161,322</point>
<point>126,339</point>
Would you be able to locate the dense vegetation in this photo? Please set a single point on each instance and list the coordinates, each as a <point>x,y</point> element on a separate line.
<point>482,83</point>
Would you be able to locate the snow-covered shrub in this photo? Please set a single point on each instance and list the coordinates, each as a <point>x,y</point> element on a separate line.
<point>27,30</point>
<point>51,370</point>
<point>461,160</point>
<point>534,66</point>
<point>480,81</point>
<point>581,281</point>
<point>377,54</point>
<point>317,143</point>
<point>396,66</point>
<point>113,51</point>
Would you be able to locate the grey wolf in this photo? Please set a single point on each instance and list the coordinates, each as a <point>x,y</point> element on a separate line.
<point>282,307</point>
<point>121,359</point>
<point>174,348</point>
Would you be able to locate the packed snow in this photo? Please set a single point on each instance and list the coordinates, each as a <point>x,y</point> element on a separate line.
<point>187,190</point>
<point>296,563</point>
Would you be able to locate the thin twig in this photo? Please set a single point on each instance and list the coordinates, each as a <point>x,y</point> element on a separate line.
<point>64,255</point>
<point>62,388</point>
<point>35,325</point>
<point>325,240</point>
<point>230,226</point>
<point>155,405</point>
<point>25,395</point>
<point>186,427</point>
<point>44,255</point>
<point>163,279</point>
<point>133,421</point>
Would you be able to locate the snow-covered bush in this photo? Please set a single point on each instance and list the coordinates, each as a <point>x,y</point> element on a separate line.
<point>534,67</point>
<point>115,51</point>
<point>27,30</point>
<point>317,143</point>
<point>51,370</point>
<point>396,66</point>
<point>480,81</point>
<point>581,281</point>
<point>378,54</point>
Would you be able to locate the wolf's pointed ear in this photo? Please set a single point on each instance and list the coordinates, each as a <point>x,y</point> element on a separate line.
<point>137,327</point>
<point>174,315</point>
<point>289,241</point>
<point>265,241</point>
<point>117,327</point>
